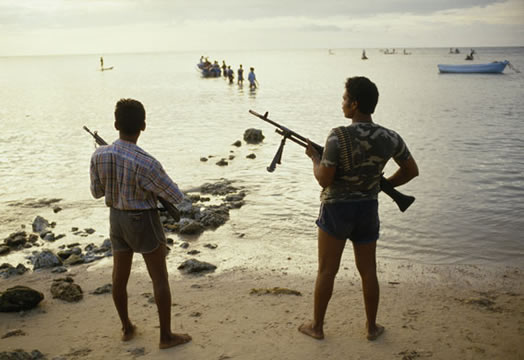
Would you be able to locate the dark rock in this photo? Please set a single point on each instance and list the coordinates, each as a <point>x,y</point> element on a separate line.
<point>33,238</point>
<point>4,249</point>
<point>48,236</point>
<point>251,156</point>
<point>193,266</point>
<point>74,228</point>
<point>19,298</point>
<point>203,159</point>
<point>76,251</point>
<point>193,252</point>
<point>73,245</point>
<point>237,143</point>
<point>59,270</point>
<point>16,239</point>
<point>65,289</point>
<point>236,204</point>
<point>45,259</point>
<point>40,224</point>
<point>211,246</point>
<point>89,231</point>
<point>56,209</point>
<point>231,157</point>
<point>184,245</point>
<point>253,136</point>
<point>236,197</point>
<point>107,288</point>
<point>8,270</point>
<point>15,332</point>
<point>222,187</point>
<point>64,254</point>
<point>74,259</point>
<point>214,216</point>
<point>222,162</point>
<point>21,355</point>
<point>192,228</point>
<point>194,198</point>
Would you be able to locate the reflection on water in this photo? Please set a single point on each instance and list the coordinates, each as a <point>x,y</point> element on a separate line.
<point>465,132</point>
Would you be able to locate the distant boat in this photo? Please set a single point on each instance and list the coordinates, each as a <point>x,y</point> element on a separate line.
<point>208,71</point>
<point>495,67</point>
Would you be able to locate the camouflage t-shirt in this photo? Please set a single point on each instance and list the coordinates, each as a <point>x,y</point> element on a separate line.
<point>372,146</point>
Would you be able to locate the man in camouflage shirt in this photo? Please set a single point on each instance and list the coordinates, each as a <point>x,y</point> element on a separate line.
<point>349,173</point>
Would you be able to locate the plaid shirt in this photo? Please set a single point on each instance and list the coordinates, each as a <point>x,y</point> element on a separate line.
<point>130,178</point>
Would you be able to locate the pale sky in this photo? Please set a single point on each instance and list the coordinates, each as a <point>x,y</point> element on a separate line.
<point>41,27</point>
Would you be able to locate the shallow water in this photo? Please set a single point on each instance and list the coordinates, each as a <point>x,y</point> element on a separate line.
<point>465,131</point>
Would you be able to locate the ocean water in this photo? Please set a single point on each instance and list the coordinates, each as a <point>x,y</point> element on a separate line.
<point>465,131</point>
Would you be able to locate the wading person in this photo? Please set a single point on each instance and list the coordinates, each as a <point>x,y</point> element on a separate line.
<point>131,180</point>
<point>252,78</point>
<point>349,173</point>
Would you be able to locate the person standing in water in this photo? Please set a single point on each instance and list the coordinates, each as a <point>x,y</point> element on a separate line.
<point>240,74</point>
<point>349,173</point>
<point>252,78</point>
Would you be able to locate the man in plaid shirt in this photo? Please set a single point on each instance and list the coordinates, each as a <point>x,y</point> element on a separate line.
<point>131,180</point>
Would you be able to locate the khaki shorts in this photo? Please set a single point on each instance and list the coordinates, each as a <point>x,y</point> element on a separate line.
<point>135,230</point>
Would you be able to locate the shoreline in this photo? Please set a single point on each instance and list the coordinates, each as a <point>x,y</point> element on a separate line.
<point>429,311</point>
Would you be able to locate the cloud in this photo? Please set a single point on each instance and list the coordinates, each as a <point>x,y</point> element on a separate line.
<point>82,13</point>
<point>80,26</point>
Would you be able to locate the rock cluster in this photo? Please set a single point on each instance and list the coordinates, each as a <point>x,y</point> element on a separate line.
<point>22,355</point>
<point>66,289</point>
<point>251,136</point>
<point>197,217</point>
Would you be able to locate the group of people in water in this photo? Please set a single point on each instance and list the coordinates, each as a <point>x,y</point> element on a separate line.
<point>216,70</point>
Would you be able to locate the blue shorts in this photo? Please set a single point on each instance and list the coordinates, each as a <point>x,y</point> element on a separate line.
<point>357,221</point>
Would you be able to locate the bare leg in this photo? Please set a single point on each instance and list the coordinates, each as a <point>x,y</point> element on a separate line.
<point>156,266</point>
<point>330,251</point>
<point>365,259</point>
<point>122,261</point>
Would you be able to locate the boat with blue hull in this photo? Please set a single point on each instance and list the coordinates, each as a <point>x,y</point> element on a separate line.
<point>496,67</point>
<point>208,71</point>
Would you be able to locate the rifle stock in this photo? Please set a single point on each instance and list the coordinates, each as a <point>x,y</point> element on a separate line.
<point>402,201</point>
<point>170,208</point>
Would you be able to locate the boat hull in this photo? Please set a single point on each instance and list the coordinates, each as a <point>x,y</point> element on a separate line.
<point>496,67</point>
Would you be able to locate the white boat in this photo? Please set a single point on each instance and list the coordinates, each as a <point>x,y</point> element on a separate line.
<point>495,67</point>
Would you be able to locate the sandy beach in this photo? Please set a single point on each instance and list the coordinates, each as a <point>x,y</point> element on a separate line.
<point>430,312</point>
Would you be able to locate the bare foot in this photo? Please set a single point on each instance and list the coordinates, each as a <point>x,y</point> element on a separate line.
<point>174,340</point>
<point>307,328</point>
<point>375,333</point>
<point>129,333</point>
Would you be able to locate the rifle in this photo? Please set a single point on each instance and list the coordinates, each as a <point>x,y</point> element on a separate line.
<point>402,201</point>
<point>170,208</point>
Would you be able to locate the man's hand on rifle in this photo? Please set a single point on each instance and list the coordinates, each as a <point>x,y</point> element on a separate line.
<point>312,152</point>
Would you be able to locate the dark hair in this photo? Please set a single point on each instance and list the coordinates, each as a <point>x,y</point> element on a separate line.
<point>130,116</point>
<point>364,92</point>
